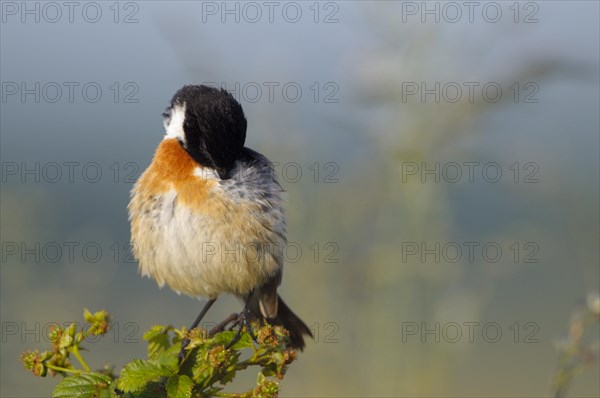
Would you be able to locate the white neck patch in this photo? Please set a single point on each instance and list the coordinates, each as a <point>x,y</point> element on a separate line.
<point>174,129</point>
<point>205,173</point>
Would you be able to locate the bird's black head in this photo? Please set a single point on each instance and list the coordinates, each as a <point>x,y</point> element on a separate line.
<point>210,124</point>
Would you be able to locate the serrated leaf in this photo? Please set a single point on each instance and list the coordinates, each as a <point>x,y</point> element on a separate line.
<point>155,331</point>
<point>169,359</point>
<point>201,372</point>
<point>158,340</point>
<point>138,373</point>
<point>179,386</point>
<point>83,385</point>
<point>225,338</point>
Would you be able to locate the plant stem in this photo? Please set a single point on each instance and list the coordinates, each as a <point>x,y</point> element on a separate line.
<point>75,351</point>
<point>61,369</point>
<point>232,395</point>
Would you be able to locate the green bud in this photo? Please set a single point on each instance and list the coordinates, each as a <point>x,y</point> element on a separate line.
<point>54,333</point>
<point>28,358</point>
<point>40,370</point>
<point>71,330</point>
<point>46,355</point>
<point>99,321</point>
<point>66,340</point>
<point>218,356</point>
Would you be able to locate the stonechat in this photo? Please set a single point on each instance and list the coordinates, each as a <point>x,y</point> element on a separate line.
<point>207,216</point>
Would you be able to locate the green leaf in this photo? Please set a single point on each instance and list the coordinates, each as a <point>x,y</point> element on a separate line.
<point>179,386</point>
<point>201,372</point>
<point>225,338</point>
<point>83,385</point>
<point>169,359</point>
<point>138,373</point>
<point>158,340</point>
<point>156,330</point>
<point>68,336</point>
<point>87,315</point>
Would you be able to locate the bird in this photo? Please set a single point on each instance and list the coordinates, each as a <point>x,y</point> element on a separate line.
<point>207,216</point>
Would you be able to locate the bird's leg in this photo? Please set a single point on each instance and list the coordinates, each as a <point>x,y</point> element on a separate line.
<point>223,324</point>
<point>185,341</point>
<point>243,320</point>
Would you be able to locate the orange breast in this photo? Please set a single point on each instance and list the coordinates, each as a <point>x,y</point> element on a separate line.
<point>175,212</point>
<point>173,168</point>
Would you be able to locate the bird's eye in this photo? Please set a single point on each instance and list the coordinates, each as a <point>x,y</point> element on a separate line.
<point>166,117</point>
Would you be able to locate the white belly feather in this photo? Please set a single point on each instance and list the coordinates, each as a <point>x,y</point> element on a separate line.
<point>208,254</point>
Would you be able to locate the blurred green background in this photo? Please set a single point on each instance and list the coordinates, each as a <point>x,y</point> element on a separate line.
<point>373,265</point>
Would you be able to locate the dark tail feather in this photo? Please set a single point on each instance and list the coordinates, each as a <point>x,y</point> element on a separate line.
<point>293,324</point>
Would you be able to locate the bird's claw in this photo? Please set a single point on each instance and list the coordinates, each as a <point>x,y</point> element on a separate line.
<point>243,319</point>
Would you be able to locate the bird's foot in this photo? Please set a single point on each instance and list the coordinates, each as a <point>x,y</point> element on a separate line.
<point>243,319</point>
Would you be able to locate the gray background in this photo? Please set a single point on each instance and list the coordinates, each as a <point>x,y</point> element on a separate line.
<point>364,217</point>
